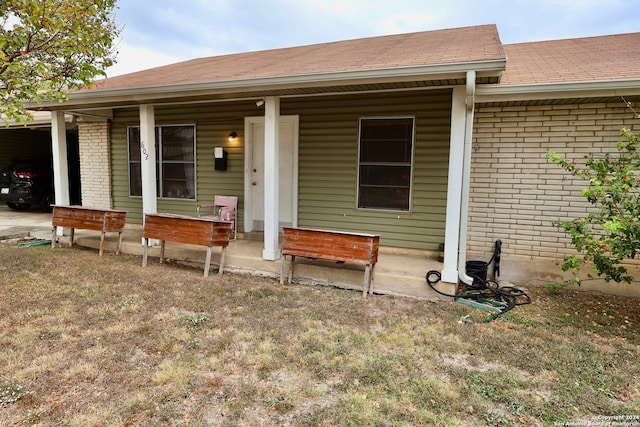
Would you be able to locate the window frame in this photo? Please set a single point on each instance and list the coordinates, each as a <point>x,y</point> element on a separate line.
<point>159,160</point>
<point>409,164</point>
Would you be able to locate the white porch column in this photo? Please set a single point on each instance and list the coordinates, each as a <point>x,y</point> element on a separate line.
<point>148,159</point>
<point>454,190</point>
<point>271,249</point>
<point>60,163</point>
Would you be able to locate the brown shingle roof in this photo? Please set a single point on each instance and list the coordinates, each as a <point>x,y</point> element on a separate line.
<point>605,58</point>
<point>460,45</point>
<point>398,61</point>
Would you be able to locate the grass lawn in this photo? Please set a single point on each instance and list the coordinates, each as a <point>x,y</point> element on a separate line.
<point>90,341</point>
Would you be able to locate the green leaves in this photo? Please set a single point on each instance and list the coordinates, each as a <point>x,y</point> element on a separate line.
<point>610,233</point>
<point>50,46</point>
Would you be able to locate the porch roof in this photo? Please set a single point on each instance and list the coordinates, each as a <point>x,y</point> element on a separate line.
<point>428,58</point>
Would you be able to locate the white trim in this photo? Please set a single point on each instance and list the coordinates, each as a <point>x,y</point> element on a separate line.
<point>485,93</point>
<point>271,251</point>
<point>60,163</point>
<point>455,249</point>
<point>41,119</point>
<point>497,93</point>
<point>248,162</point>
<point>295,119</point>
<point>254,98</point>
<point>248,173</point>
<point>148,159</point>
<point>454,186</point>
<point>466,177</point>
<point>379,75</point>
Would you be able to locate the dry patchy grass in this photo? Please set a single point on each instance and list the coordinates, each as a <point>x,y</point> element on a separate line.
<point>89,341</point>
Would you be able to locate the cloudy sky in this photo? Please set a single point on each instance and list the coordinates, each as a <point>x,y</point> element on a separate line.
<point>159,32</point>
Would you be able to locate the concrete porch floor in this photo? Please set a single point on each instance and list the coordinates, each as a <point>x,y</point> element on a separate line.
<point>398,272</point>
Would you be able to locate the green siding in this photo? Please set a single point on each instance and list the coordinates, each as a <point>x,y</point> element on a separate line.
<point>328,165</point>
<point>213,123</point>
<point>328,147</point>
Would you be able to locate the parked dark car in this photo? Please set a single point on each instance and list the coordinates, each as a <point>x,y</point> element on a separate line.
<point>28,182</point>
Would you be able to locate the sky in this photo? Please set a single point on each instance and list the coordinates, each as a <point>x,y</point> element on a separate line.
<point>160,32</point>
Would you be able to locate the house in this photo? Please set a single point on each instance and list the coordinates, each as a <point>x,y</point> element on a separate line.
<point>428,139</point>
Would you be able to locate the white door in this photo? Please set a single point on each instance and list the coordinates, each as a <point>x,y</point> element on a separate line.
<point>288,162</point>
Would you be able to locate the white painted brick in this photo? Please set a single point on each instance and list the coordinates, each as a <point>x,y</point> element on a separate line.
<point>95,164</point>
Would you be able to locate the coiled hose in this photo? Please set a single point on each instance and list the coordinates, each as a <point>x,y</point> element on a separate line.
<point>508,296</point>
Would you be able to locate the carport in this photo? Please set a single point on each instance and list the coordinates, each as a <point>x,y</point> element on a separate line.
<point>33,139</point>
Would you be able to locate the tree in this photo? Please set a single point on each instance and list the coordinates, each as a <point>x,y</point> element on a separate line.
<point>610,233</point>
<point>48,47</point>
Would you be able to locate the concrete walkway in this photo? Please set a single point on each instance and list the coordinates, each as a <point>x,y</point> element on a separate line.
<point>17,224</point>
<point>397,272</point>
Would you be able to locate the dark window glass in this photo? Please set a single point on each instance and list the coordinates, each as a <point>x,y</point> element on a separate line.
<point>175,162</point>
<point>386,147</point>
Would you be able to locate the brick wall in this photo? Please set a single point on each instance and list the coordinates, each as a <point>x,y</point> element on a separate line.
<point>95,164</point>
<point>516,192</point>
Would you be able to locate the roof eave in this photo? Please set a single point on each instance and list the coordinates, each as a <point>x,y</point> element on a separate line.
<point>536,92</point>
<point>39,120</point>
<point>313,80</point>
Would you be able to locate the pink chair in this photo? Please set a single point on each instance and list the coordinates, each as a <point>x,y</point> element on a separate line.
<point>223,208</point>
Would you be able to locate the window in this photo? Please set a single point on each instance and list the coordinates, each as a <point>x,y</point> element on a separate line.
<point>175,162</point>
<point>385,158</point>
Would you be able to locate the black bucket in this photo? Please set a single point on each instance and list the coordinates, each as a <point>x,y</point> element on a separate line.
<point>477,269</point>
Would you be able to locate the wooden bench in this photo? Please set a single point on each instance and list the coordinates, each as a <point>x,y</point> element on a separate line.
<point>189,230</point>
<point>103,220</point>
<point>330,245</point>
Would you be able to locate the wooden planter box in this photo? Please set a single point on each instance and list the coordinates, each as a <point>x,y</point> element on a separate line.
<point>103,220</point>
<point>189,230</point>
<point>330,245</point>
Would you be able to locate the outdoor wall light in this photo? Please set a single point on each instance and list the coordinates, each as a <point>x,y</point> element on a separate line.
<point>232,136</point>
<point>259,103</point>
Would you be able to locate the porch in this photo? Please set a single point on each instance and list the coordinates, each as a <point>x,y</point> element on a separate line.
<point>398,271</point>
